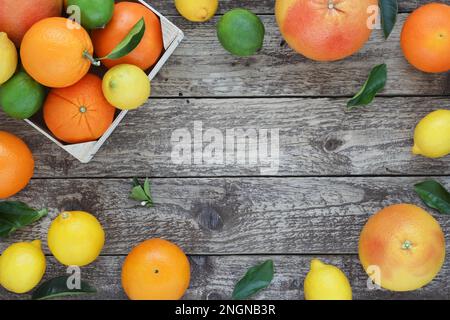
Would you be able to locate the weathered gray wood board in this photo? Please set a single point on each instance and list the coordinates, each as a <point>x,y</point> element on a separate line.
<point>316,137</point>
<point>213,278</point>
<point>267,6</point>
<point>228,215</point>
<point>202,68</point>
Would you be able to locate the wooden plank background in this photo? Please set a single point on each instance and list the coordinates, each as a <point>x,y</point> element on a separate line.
<point>337,167</point>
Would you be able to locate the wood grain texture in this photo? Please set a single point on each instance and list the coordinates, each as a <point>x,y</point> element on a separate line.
<point>316,137</point>
<point>214,277</point>
<point>278,71</point>
<point>267,6</point>
<point>228,215</point>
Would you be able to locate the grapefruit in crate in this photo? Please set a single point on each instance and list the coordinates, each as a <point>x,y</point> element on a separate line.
<point>16,17</point>
<point>126,15</point>
<point>79,113</point>
<point>16,165</point>
<point>56,52</point>
<point>325,30</point>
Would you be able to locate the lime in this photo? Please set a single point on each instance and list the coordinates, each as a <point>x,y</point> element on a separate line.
<point>197,10</point>
<point>22,266</point>
<point>241,32</point>
<point>75,238</point>
<point>8,58</point>
<point>126,87</point>
<point>21,97</point>
<point>94,13</point>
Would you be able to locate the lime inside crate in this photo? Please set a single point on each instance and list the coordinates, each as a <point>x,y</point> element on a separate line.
<point>84,152</point>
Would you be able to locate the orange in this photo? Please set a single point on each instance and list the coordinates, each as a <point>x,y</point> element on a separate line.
<point>425,38</point>
<point>325,30</point>
<point>156,269</point>
<point>406,245</point>
<point>16,165</point>
<point>126,15</point>
<point>79,113</point>
<point>54,52</point>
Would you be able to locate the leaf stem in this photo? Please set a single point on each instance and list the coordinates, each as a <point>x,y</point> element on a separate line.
<point>93,61</point>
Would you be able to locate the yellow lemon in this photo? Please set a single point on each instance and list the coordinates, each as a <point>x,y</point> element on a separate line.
<point>75,238</point>
<point>197,10</point>
<point>432,135</point>
<point>126,87</point>
<point>22,266</point>
<point>326,282</point>
<point>8,58</point>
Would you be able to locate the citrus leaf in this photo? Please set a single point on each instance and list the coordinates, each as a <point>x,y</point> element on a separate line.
<point>137,193</point>
<point>389,11</point>
<point>141,192</point>
<point>147,188</point>
<point>129,43</point>
<point>256,279</point>
<point>374,83</point>
<point>57,287</point>
<point>16,215</point>
<point>434,195</point>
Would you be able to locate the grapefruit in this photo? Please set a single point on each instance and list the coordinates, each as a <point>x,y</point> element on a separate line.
<point>16,17</point>
<point>405,244</point>
<point>325,30</point>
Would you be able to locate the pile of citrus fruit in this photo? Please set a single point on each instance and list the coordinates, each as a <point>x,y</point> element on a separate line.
<point>59,59</point>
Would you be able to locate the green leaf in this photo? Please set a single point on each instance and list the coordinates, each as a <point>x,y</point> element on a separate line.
<point>434,195</point>
<point>129,43</point>
<point>388,11</point>
<point>16,215</point>
<point>147,187</point>
<point>375,83</point>
<point>57,287</point>
<point>142,192</point>
<point>256,279</point>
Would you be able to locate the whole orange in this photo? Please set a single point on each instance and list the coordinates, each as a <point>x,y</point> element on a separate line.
<point>16,17</point>
<point>16,165</point>
<point>156,269</point>
<point>425,38</point>
<point>126,15</point>
<point>79,113</point>
<point>404,245</point>
<point>54,51</point>
<point>326,30</point>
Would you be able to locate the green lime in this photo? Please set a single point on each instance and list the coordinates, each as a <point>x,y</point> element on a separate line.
<point>21,96</point>
<point>94,13</point>
<point>241,32</point>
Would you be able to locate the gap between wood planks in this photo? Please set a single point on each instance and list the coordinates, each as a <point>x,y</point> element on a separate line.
<point>246,176</point>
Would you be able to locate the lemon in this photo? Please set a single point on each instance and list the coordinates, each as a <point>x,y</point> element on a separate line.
<point>432,135</point>
<point>326,282</point>
<point>126,87</point>
<point>197,10</point>
<point>8,58</point>
<point>22,266</point>
<point>75,238</point>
